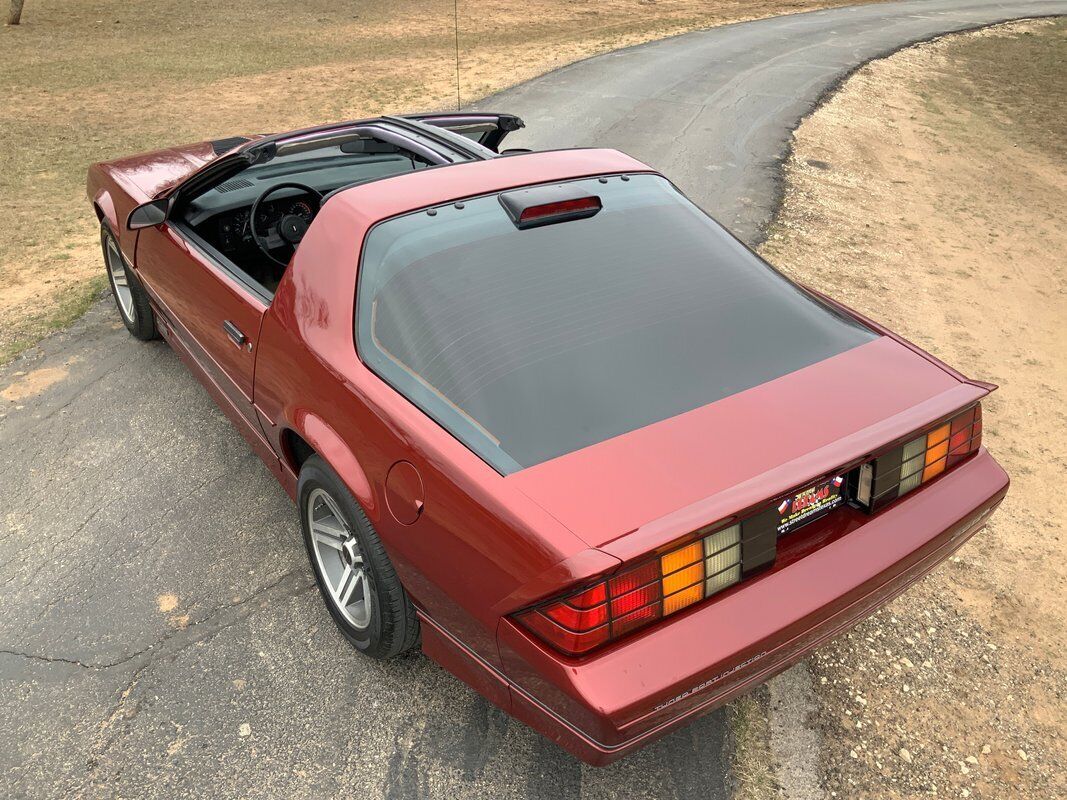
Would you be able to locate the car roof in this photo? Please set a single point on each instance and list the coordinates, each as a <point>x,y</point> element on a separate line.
<point>324,269</point>
<point>414,130</point>
<point>389,197</point>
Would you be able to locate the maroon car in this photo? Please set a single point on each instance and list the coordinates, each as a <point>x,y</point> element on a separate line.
<point>541,411</point>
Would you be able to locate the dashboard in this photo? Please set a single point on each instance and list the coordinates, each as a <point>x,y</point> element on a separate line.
<point>221,214</point>
<point>233,232</point>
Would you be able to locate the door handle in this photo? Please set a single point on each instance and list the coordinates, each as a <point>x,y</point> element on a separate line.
<point>234,333</point>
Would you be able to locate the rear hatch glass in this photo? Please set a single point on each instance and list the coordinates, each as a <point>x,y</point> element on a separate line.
<point>529,344</point>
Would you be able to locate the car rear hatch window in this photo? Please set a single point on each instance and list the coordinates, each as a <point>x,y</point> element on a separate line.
<point>527,344</point>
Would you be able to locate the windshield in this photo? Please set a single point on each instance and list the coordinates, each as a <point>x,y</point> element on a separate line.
<point>529,344</point>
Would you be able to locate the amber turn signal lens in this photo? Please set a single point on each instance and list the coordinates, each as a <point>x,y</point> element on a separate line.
<point>684,598</point>
<point>682,557</point>
<point>936,452</point>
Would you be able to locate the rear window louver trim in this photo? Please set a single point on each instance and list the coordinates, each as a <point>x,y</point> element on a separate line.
<point>221,146</point>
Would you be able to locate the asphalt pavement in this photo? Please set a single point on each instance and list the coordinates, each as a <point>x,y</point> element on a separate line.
<point>160,635</point>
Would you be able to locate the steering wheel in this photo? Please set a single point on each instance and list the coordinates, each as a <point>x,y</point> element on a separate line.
<point>291,227</point>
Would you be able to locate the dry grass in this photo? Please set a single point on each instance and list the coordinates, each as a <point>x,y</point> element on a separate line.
<point>752,764</point>
<point>96,79</point>
<point>931,194</point>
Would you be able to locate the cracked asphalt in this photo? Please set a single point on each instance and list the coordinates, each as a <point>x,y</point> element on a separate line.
<point>160,634</point>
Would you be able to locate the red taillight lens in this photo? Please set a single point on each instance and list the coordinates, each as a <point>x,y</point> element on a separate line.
<point>639,595</point>
<point>590,598</point>
<point>966,435</point>
<point>569,641</point>
<point>638,598</point>
<point>634,578</point>
<point>637,619</point>
<point>577,620</point>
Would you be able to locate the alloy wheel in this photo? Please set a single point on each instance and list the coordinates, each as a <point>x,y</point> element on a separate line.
<point>339,559</point>
<point>116,267</point>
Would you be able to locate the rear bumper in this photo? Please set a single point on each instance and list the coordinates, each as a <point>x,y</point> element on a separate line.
<point>602,707</point>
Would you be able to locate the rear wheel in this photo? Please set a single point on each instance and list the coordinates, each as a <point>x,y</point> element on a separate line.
<point>355,576</point>
<point>130,297</point>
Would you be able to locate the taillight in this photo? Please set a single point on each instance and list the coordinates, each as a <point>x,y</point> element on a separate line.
<point>639,595</point>
<point>720,557</point>
<point>922,459</point>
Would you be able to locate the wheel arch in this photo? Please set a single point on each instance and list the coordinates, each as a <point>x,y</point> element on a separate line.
<point>311,435</point>
<point>104,207</point>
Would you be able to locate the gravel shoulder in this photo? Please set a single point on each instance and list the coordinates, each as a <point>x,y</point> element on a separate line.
<point>929,192</point>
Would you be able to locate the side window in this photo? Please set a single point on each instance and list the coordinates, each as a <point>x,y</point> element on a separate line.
<point>477,133</point>
<point>251,222</point>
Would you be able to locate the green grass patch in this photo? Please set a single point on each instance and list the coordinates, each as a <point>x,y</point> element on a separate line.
<point>72,305</point>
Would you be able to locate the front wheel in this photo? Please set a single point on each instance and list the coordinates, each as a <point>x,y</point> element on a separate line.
<point>130,296</point>
<point>355,576</point>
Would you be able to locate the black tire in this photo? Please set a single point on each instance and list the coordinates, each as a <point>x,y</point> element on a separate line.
<point>139,318</point>
<point>393,627</point>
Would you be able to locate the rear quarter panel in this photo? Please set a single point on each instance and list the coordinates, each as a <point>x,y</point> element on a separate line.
<point>478,542</point>
<point>480,549</point>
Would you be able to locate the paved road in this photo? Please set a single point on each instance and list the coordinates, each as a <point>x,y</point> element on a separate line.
<point>156,598</point>
<point>714,110</point>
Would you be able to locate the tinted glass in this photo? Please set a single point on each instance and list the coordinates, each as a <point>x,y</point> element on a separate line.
<point>528,344</point>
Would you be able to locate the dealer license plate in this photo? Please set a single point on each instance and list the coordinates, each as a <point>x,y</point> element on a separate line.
<point>809,505</point>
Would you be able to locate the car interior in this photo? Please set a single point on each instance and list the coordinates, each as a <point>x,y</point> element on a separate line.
<point>252,221</point>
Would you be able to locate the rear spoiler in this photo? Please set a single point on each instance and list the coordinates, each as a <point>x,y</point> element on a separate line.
<point>870,323</point>
<point>833,458</point>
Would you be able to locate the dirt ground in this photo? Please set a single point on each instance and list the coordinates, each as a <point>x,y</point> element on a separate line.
<point>931,194</point>
<point>97,79</point>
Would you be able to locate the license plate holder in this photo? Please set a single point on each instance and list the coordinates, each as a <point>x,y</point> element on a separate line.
<point>810,504</point>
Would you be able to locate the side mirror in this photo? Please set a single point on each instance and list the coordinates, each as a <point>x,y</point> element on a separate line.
<point>148,215</point>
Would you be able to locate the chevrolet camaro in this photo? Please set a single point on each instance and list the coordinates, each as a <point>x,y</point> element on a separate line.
<point>541,415</point>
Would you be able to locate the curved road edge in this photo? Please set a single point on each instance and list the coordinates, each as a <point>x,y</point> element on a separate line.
<point>715,110</point>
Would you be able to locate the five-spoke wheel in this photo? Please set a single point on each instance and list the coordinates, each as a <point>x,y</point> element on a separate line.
<point>130,297</point>
<point>116,268</point>
<point>356,578</point>
<point>339,560</point>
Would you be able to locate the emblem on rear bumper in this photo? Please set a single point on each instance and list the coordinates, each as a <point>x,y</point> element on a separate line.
<point>705,684</point>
